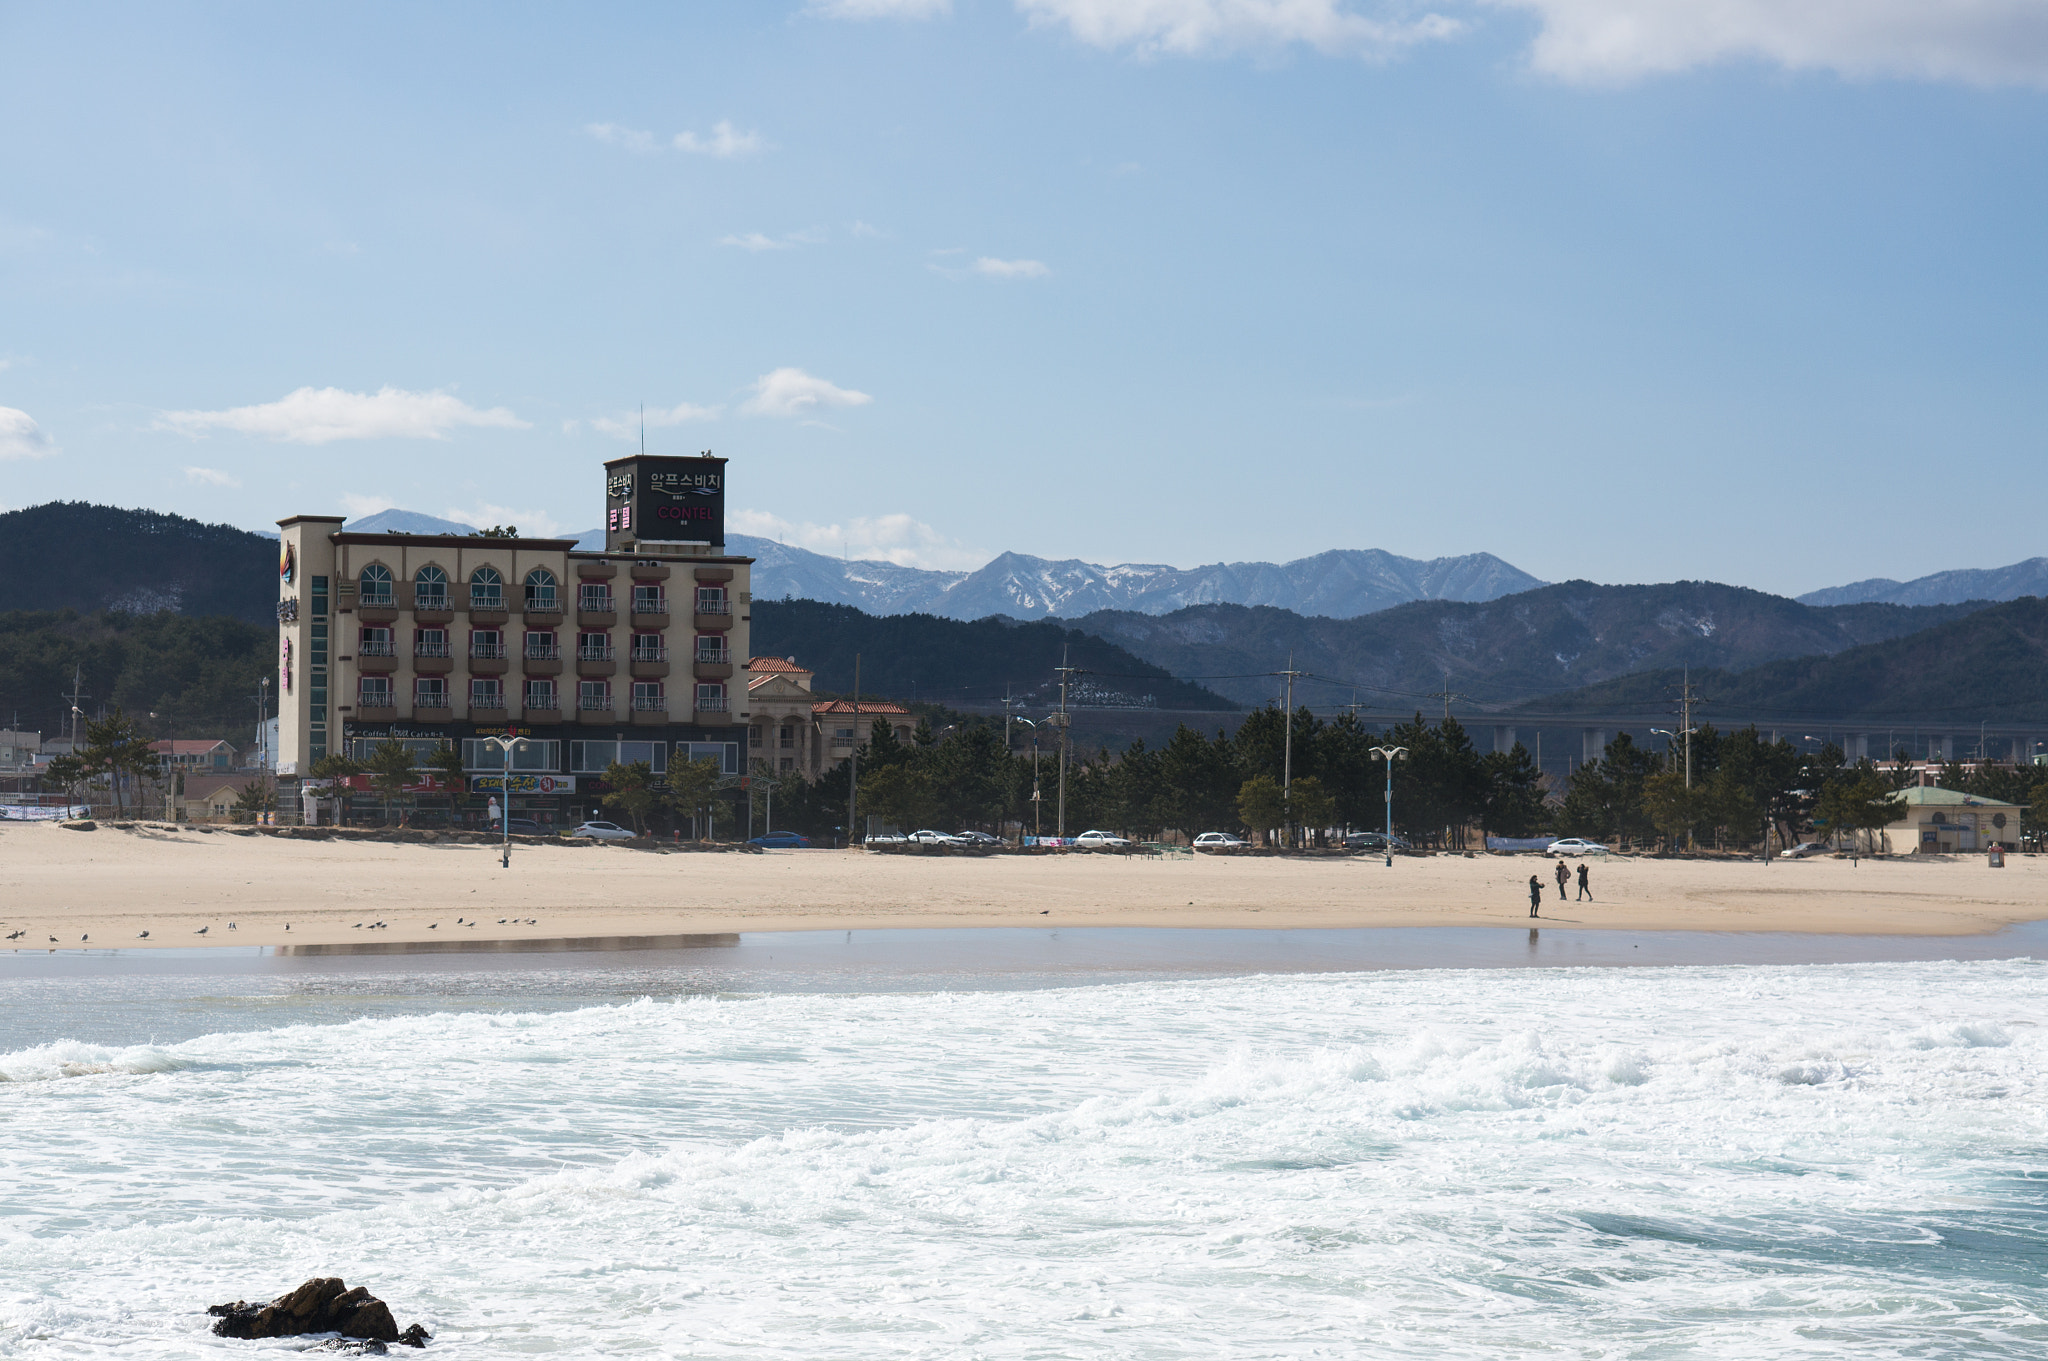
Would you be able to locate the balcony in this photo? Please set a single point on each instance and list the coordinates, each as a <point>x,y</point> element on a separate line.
<point>713,615</point>
<point>712,710</point>
<point>431,607</point>
<point>485,606</point>
<point>542,660</point>
<point>594,652</point>
<point>709,665</point>
<point>599,571</point>
<point>486,706</point>
<point>375,705</point>
<point>596,616</point>
<point>545,614</point>
<point>649,612</point>
<point>542,713</point>
<point>433,713</point>
<point>650,711</point>
<point>650,571</point>
<point>377,609</point>
<point>591,704</point>
<point>432,659</point>
<point>487,659</point>
<point>377,659</point>
<point>650,666</point>
<point>593,661</point>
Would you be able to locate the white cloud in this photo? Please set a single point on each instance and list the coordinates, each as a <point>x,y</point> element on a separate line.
<point>881,9</point>
<point>792,392</point>
<point>630,138</point>
<point>212,477</point>
<point>1192,27</point>
<point>725,142</point>
<point>754,241</point>
<point>1010,269</point>
<point>1985,42</point>
<point>21,437</point>
<point>682,413</point>
<point>532,524</point>
<point>323,415</point>
<point>361,504</point>
<point>890,538</point>
<point>865,231</point>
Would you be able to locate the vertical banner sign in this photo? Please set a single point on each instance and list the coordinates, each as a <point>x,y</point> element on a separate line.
<point>666,500</point>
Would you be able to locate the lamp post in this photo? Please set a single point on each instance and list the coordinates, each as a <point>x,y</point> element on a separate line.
<point>1037,803</point>
<point>1390,755</point>
<point>506,746</point>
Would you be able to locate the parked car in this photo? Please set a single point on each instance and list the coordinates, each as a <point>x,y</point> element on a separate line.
<point>925,836</point>
<point>885,839</point>
<point>1101,841</point>
<point>519,827</point>
<point>781,841</point>
<point>977,839</point>
<point>1374,841</point>
<point>1219,841</point>
<point>1573,845</point>
<point>603,831</point>
<point>1809,848</point>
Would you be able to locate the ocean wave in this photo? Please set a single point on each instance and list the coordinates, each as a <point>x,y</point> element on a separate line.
<point>70,1058</point>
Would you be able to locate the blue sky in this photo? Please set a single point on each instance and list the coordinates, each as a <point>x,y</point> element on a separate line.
<point>1630,290</point>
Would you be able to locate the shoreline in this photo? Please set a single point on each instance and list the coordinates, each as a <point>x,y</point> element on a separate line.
<point>104,888</point>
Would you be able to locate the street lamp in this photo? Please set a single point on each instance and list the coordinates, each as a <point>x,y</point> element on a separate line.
<point>506,746</point>
<point>1390,755</point>
<point>1037,803</point>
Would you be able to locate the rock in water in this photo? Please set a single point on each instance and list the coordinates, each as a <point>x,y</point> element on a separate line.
<point>324,1304</point>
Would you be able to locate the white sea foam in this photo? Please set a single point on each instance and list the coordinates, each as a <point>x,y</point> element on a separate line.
<point>1700,1163</point>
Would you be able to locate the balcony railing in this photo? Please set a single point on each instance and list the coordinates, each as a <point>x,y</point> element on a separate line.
<point>487,652</point>
<point>714,656</point>
<point>595,704</point>
<point>657,653</point>
<point>593,652</point>
<point>718,605</point>
<point>374,699</point>
<point>381,600</point>
<point>486,600</point>
<point>597,602</point>
<point>371,647</point>
<point>542,601</point>
<point>650,704</point>
<point>430,699</point>
<point>543,652</point>
<point>429,600</point>
<point>540,699</point>
<point>431,650</point>
<point>487,699</point>
<point>711,704</point>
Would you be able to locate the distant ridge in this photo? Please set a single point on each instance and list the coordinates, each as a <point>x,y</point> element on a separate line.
<point>1942,588</point>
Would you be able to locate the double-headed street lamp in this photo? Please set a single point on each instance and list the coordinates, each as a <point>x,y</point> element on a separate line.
<point>1390,755</point>
<point>1036,802</point>
<point>506,746</point>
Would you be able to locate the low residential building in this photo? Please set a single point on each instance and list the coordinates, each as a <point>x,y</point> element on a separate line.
<point>1936,821</point>
<point>798,733</point>
<point>196,755</point>
<point>18,751</point>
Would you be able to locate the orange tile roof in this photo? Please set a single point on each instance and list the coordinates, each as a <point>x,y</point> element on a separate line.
<point>183,746</point>
<point>775,664</point>
<point>867,706</point>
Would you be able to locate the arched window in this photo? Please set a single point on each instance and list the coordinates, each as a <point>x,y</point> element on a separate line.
<point>430,588</point>
<point>540,589</point>
<point>375,584</point>
<point>486,589</point>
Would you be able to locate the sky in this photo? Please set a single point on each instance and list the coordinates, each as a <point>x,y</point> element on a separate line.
<point>1627,290</point>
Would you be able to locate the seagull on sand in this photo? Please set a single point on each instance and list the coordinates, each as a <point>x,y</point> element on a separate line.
<point>85,937</point>
<point>202,930</point>
<point>143,936</point>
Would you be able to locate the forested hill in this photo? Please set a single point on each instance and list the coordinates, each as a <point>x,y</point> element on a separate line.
<point>177,676</point>
<point>71,555</point>
<point>1991,666</point>
<point>950,661</point>
<point>1514,648</point>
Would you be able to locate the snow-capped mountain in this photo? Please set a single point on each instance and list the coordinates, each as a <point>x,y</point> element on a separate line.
<point>1942,588</point>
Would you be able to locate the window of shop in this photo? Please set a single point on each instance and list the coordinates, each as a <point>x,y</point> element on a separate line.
<point>591,758</point>
<point>536,756</point>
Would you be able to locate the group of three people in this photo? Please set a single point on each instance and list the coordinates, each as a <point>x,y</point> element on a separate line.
<point>1564,878</point>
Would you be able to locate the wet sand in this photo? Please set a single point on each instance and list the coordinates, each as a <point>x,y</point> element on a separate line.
<point>102,889</point>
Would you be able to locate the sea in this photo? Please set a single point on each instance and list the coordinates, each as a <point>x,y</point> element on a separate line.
<point>1238,1150</point>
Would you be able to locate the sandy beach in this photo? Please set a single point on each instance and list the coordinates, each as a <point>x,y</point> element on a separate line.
<point>104,888</point>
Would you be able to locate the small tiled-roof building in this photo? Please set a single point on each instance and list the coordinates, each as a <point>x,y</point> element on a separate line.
<point>196,754</point>
<point>798,733</point>
<point>1935,821</point>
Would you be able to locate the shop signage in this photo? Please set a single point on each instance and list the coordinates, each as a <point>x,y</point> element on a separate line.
<point>287,564</point>
<point>526,784</point>
<point>667,500</point>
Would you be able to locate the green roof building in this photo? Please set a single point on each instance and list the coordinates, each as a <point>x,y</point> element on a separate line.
<point>1936,821</point>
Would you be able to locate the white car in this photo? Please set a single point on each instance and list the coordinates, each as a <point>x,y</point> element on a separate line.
<point>604,831</point>
<point>925,836</point>
<point>1101,841</point>
<point>1807,849</point>
<point>1573,845</point>
<point>1219,841</point>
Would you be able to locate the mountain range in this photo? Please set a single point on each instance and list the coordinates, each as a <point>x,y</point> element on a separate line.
<point>1942,588</point>
<point>1342,583</point>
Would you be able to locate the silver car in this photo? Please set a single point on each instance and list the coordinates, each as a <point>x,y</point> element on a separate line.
<point>604,831</point>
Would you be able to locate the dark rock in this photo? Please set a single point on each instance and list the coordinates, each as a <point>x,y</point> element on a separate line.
<point>82,825</point>
<point>324,1304</point>
<point>415,1336</point>
<point>354,1347</point>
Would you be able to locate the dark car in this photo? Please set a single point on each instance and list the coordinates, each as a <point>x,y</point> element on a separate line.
<point>520,827</point>
<point>976,839</point>
<point>1374,841</point>
<point>781,841</point>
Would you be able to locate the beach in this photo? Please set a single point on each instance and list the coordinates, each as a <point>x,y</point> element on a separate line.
<point>104,888</point>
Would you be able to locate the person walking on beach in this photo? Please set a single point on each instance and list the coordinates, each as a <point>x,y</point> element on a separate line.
<point>1535,894</point>
<point>1564,876</point>
<point>1585,889</point>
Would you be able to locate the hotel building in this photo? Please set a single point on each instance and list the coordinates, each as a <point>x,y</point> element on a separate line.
<point>593,657</point>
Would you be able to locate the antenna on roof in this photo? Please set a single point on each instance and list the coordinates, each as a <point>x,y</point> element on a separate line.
<point>643,430</point>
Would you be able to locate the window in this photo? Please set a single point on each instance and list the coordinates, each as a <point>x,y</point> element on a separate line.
<point>486,643</point>
<point>375,585</point>
<point>375,642</point>
<point>540,693</point>
<point>540,646</point>
<point>591,758</point>
<point>533,754</point>
<point>727,754</point>
<point>430,588</point>
<point>842,737</point>
<point>711,697</point>
<point>596,595</point>
<point>594,696</point>
<point>711,649</point>
<point>786,739</point>
<point>754,735</point>
<point>540,589</point>
<point>486,589</point>
<point>649,600</point>
<point>647,648</point>
<point>375,692</point>
<point>647,697</point>
<point>430,692</point>
<point>486,692</point>
<point>594,647</point>
<point>788,763</point>
<point>711,600</point>
<point>420,748</point>
<point>430,643</point>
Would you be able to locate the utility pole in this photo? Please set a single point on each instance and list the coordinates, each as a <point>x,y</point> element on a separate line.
<point>77,679</point>
<point>853,762</point>
<point>1287,751</point>
<point>1065,724</point>
<point>1447,694</point>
